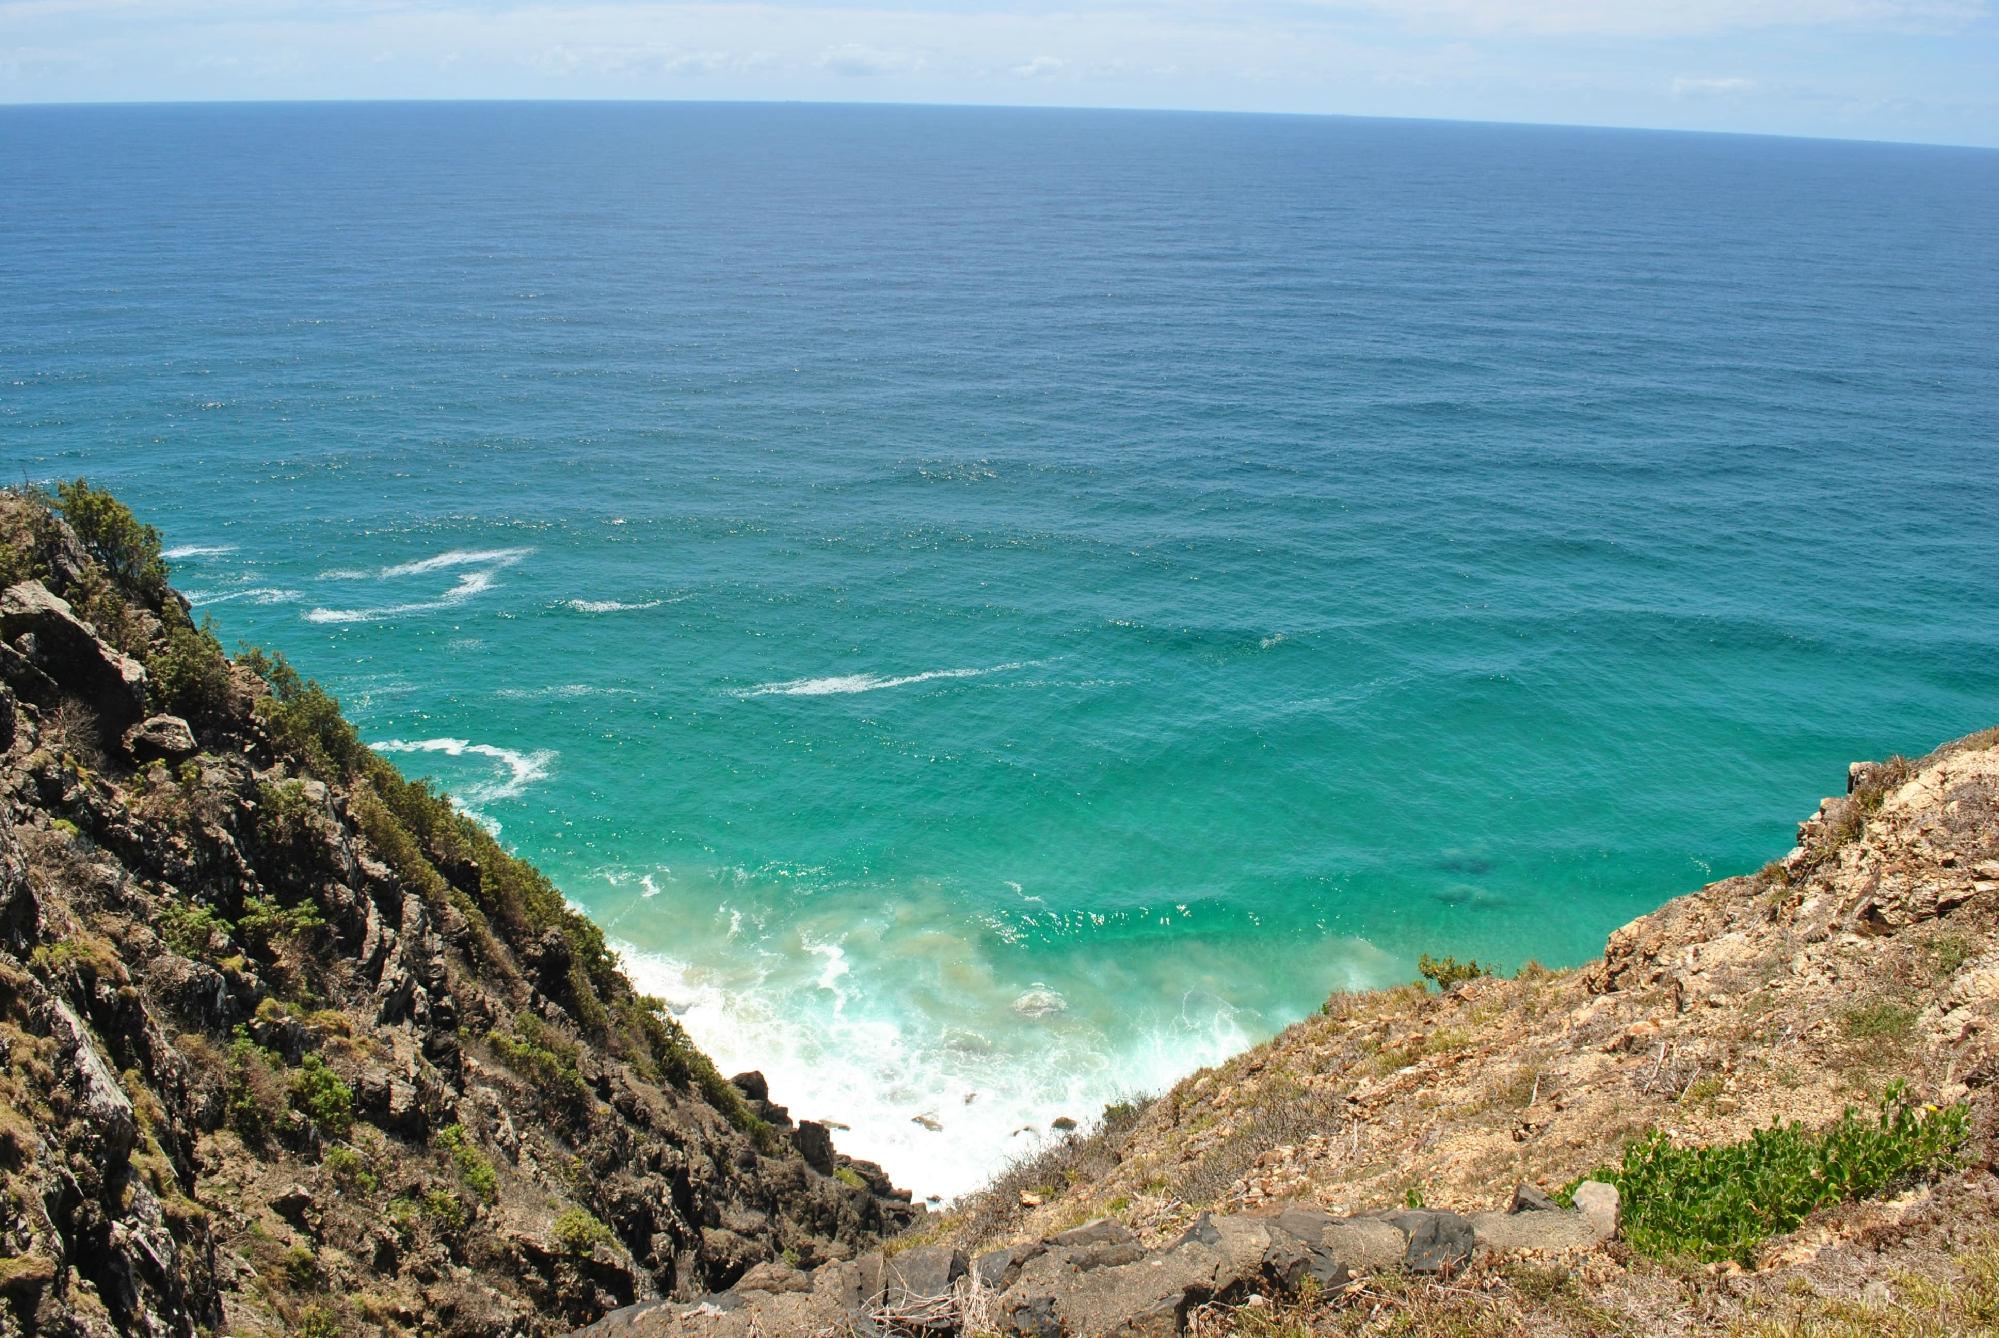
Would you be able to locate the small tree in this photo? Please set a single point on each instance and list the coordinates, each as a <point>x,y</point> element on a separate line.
<point>1448,972</point>
<point>129,550</point>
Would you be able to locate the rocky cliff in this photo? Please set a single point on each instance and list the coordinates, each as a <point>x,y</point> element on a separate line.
<point>291,1047</point>
<point>1393,1164</point>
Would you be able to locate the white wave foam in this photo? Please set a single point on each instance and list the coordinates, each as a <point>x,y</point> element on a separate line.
<point>521,769</point>
<point>559,690</point>
<point>943,1103</point>
<point>262,594</point>
<point>346,574</point>
<point>842,684</point>
<point>490,561</point>
<point>609,605</point>
<point>196,550</point>
<point>458,557</point>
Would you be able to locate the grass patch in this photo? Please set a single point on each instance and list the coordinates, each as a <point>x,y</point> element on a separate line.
<point>1879,1021</point>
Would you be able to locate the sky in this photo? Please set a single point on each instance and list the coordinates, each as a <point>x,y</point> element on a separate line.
<point>1921,70</point>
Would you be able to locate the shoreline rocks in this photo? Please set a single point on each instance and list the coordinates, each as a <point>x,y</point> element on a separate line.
<point>1100,1281</point>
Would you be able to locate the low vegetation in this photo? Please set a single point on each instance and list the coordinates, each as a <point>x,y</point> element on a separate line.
<point>1723,1202</point>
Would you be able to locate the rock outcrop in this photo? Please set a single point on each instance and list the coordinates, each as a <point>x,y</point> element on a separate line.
<point>290,1047</point>
<point>1102,1280</point>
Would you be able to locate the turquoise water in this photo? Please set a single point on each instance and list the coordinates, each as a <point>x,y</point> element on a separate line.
<point>993,609</point>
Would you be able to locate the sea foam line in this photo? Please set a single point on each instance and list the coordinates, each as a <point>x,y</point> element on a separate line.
<point>609,605</point>
<point>459,557</point>
<point>262,594</point>
<point>196,550</point>
<point>491,562</point>
<point>522,769</point>
<point>843,684</point>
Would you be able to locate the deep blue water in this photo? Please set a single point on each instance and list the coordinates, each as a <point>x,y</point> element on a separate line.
<point>1023,602</point>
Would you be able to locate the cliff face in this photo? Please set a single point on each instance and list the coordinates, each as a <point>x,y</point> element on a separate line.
<point>290,1047</point>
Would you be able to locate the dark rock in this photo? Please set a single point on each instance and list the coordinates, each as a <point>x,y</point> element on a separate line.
<point>1289,1262</point>
<point>1106,1231</point>
<point>1032,1316</point>
<point>294,1203</point>
<point>752,1085</point>
<point>1202,1232</point>
<point>67,649</point>
<point>815,1144</point>
<point>1528,1199</point>
<point>1438,1241</point>
<point>997,1269</point>
<point>925,1273</point>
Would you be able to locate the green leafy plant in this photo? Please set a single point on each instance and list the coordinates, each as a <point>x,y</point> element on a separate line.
<point>536,1051</point>
<point>253,1092</point>
<point>1447,973</point>
<point>580,1233</point>
<point>1722,1202</point>
<point>110,532</point>
<point>189,672</point>
<point>475,1171</point>
<point>192,929</point>
<point>350,1170</point>
<point>442,1209</point>
<point>1879,1021</point>
<point>265,923</point>
<point>318,1093</point>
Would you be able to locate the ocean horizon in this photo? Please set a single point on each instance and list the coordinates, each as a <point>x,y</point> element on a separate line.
<point>992,609</point>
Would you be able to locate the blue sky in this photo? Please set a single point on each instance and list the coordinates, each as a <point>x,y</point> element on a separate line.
<point>1877,69</point>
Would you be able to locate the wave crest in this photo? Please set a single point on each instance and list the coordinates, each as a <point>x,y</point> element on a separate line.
<point>843,684</point>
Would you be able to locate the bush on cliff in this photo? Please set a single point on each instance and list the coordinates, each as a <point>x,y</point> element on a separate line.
<point>1722,1202</point>
<point>128,549</point>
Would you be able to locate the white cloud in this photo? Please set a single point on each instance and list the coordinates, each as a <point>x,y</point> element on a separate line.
<point>1041,67</point>
<point>863,61</point>
<point>1688,87</point>
<point>1669,18</point>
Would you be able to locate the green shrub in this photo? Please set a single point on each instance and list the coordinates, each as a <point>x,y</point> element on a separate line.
<point>253,1092</point>
<point>190,674</point>
<point>849,1177</point>
<point>110,532</point>
<point>475,1171</point>
<point>1722,1202</point>
<point>266,924</point>
<point>317,1321</point>
<point>578,1232</point>
<point>540,1054</point>
<point>192,929</point>
<point>350,1170</point>
<point>318,1093</point>
<point>1447,973</point>
<point>442,1209</point>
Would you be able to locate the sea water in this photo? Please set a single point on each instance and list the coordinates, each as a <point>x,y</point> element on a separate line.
<point>994,609</point>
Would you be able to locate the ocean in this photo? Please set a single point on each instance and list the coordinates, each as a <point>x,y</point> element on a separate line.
<point>994,609</point>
